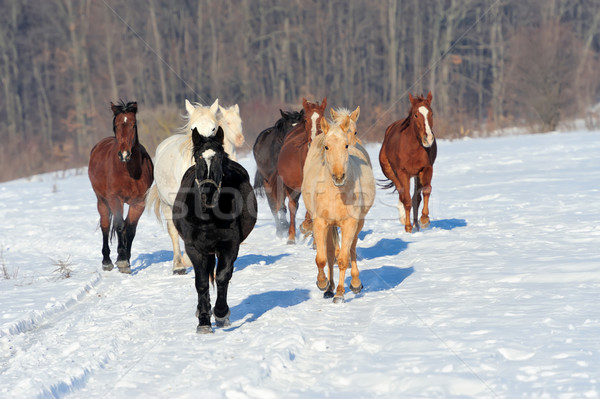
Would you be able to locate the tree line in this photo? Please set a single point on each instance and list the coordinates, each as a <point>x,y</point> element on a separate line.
<point>490,64</point>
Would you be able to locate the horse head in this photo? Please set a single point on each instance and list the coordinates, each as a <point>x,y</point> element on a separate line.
<point>125,128</point>
<point>347,120</point>
<point>202,118</point>
<point>313,114</point>
<point>208,154</point>
<point>289,119</point>
<point>231,122</point>
<point>335,148</point>
<point>421,117</point>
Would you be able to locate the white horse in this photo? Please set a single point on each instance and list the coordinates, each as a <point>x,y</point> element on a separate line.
<point>173,157</point>
<point>231,122</point>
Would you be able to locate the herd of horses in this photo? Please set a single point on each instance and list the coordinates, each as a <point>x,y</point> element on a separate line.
<point>206,198</point>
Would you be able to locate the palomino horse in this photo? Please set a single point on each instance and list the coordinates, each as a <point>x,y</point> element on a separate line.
<point>231,122</point>
<point>214,211</point>
<point>347,120</point>
<point>173,157</point>
<point>266,150</point>
<point>120,171</point>
<point>408,151</point>
<point>291,160</point>
<point>338,191</point>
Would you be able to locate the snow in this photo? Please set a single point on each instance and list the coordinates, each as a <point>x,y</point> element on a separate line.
<point>498,298</point>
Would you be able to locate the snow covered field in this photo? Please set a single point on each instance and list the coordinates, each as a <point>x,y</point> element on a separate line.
<point>499,298</point>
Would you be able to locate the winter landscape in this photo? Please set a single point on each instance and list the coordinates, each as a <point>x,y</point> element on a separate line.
<point>497,299</point>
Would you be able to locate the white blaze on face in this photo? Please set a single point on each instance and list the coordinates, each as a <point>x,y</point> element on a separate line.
<point>208,155</point>
<point>313,129</point>
<point>124,119</point>
<point>424,111</point>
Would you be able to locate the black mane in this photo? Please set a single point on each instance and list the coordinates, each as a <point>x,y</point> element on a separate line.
<point>122,108</point>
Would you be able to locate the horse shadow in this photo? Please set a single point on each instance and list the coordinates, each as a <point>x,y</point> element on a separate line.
<point>384,247</point>
<point>258,304</point>
<point>143,261</point>
<point>383,279</point>
<point>244,261</point>
<point>363,233</point>
<point>448,224</point>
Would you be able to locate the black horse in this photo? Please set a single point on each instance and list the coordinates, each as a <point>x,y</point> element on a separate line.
<point>266,151</point>
<point>214,211</point>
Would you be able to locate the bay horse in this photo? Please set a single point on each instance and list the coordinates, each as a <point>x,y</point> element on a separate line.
<point>173,157</point>
<point>290,162</point>
<point>121,172</point>
<point>338,191</point>
<point>266,151</point>
<point>408,151</point>
<point>231,122</point>
<point>214,211</point>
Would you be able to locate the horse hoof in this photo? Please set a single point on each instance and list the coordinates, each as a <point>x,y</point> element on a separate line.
<point>356,290</point>
<point>107,267</point>
<point>425,224</point>
<point>179,271</point>
<point>338,299</point>
<point>204,330</point>
<point>223,321</point>
<point>291,242</point>
<point>124,266</point>
<point>328,294</point>
<point>324,287</point>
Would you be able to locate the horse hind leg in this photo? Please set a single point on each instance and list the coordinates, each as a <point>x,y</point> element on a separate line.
<point>293,198</point>
<point>178,264</point>
<point>425,185</point>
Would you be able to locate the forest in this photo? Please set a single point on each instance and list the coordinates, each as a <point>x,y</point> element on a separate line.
<point>490,65</point>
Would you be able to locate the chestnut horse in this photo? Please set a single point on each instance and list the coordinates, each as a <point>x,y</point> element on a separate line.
<point>338,191</point>
<point>120,171</point>
<point>266,150</point>
<point>291,160</point>
<point>409,151</point>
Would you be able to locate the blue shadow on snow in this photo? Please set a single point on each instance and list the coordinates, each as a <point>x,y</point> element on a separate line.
<point>385,247</point>
<point>362,234</point>
<point>258,304</point>
<point>143,261</point>
<point>382,279</point>
<point>448,224</point>
<point>244,261</point>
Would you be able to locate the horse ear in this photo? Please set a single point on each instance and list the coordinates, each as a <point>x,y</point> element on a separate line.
<point>215,106</point>
<point>133,106</point>
<point>333,114</point>
<point>220,135</point>
<point>411,98</point>
<point>429,98</point>
<point>324,103</point>
<point>189,107</point>
<point>113,107</point>
<point>282,113</point>
<point>304,103</point>
<point>236,108</point>
<point>196,139</point>
<point>324,126</point>
<point>355,114</point>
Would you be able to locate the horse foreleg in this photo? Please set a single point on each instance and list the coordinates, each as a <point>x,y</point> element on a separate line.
<point>320,237</point>
<point>405,202</point>
<point>202,269</point>
<point>349,230</point>
<point>133,216</point>
<point>105,215</point>
<point>416,202</point>
<point>224,272</point>
<point>425,177</point>
<point>178,266</point>
<point>293,197</point>
<point>355,284</point>
<point>119,227</point>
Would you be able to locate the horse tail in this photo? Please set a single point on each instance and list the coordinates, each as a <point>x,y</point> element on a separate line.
<point>385,184</point>
<point>259,184</point>
<point>152,199</point>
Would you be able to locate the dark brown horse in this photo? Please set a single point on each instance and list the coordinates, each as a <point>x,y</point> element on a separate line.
<point>290,163</point>
<point>409,151</point>
<point>120,171</point>
<point>266,150</point>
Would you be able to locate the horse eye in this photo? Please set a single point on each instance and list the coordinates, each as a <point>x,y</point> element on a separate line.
<point>213,129</point>
<point>416,115</point>
<point>346,145</point>
<point>326,147</point>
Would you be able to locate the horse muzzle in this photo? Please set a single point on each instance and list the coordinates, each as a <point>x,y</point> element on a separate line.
<point>124,156</point>
<point>428,141</point>
<point>339,181</point>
